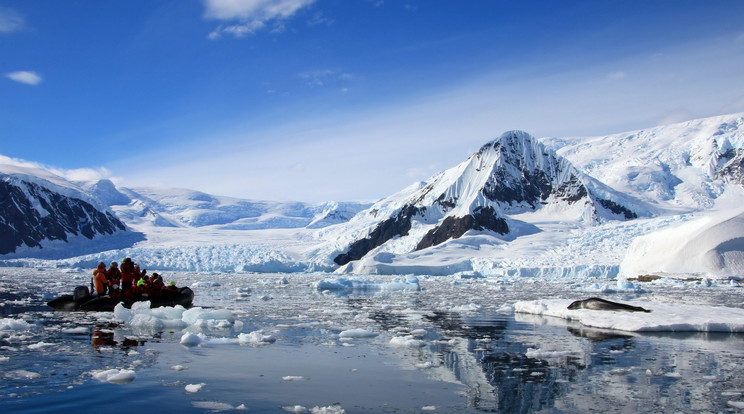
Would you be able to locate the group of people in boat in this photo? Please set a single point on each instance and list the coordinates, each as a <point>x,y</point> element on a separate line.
<point>128,281</point>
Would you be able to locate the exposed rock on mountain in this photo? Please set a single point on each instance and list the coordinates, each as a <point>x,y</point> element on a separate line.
<point>32,213</point>
<point>511,175</point>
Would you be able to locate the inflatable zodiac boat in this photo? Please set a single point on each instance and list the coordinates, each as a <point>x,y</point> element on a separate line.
<point>82,300</point>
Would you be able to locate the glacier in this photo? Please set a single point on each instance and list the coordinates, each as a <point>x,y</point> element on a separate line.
<point>659,201</point>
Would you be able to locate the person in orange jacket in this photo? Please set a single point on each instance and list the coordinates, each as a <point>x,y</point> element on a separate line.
<point>100,280</point>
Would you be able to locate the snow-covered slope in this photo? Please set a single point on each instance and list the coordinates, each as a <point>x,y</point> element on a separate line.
<point>169,207</point>
<point>682,167</point>
<point>707,246</point>
<point>557,207</point>
<point>41,214</point>
<point>512,175</point>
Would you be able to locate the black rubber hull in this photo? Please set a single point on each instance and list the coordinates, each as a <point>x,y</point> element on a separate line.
<point>67,303</point>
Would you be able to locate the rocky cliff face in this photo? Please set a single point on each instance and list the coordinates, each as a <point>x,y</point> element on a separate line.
<point>31,213</point>
<point>510,175</point>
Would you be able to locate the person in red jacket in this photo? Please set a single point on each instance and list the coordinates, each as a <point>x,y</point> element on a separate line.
<point>127,274</point>
<point>113,275</point>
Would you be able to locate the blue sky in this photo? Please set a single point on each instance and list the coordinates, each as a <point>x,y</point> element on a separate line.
<point>315,100</point>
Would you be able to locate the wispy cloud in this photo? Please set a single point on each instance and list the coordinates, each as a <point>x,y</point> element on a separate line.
<point>77,174</point>
<point>319,19</point>
<point>10,20</point>
<point>616,75</point>
<point>22,76</point>
<point>251,16</point>
<point>324,77</point>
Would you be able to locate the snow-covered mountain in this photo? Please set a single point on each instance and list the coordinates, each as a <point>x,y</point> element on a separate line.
<point>172,207</point>
<point>40,214</point>
<point>508,176</point>
<point>681,168</point>
<point>553,207</point>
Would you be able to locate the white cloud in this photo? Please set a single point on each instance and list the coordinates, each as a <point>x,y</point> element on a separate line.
<point>251,15</point>
<point>319,19</point>
<point>616,75</point>
<point>76,174</point>
<point>27,77</point>
<point>10,20</point>
<point>317,78</point>
<point>366,153</point>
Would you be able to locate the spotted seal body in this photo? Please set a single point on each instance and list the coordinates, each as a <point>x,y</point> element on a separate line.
<point>602,304</point>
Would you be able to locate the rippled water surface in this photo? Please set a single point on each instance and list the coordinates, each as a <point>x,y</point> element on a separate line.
<point>450,347</point>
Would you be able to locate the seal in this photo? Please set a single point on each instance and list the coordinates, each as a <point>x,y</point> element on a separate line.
<point>602,304</point>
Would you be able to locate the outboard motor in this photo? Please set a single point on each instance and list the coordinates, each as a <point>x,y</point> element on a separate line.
<point>80,294</point>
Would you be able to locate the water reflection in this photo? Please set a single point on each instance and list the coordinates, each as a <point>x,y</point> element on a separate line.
<point>523,363</point>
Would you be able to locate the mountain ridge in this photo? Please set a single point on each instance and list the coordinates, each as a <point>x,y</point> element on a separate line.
<point>523,222</point>
<point>509,175</point>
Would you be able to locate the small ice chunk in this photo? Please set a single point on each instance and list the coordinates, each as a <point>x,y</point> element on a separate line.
<point>429,408</point>
<point>471,307</point>
<point>297,409</point>
<point>204,284</point>
<point>331,409</point>
<point>115,376</point>
<point>194,388</point>
<point>212,405</point>
<point>179,368</point>
<point>418,333</point>
<point>255,338</point>
<point>191,339</point>
<point>23,374</point>
<point>506,309</point>
<point>406,342</point>
<point>736,404</point>
<point>10,324</point>
<point>294,378</point>
<point>356,333</point>
<point>40,345</point>
<point>76,331</point>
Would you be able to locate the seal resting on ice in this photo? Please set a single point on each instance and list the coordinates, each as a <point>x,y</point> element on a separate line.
<point>602,304</point>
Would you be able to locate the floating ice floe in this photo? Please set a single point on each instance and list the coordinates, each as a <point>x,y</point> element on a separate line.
<point>23,374</point>
<point>81,330</point>
<point>356,333</point>
<point>294,378</point>
<point>194,388</point>
<point>364,285</point>
<point>115,376</point>
<point>331,409</point>
<point>191,339</point>
<point>297,409</point>
<point>408,341</point>
<point>255,338</point>
<point>176,317</point>
<point>10,324</point>
<point>471,307</point>
<point>40,345</point>
<point>665,317</point>
<point>216,406</point>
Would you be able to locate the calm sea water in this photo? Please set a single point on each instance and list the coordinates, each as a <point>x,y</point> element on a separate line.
<point>454,352</point>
